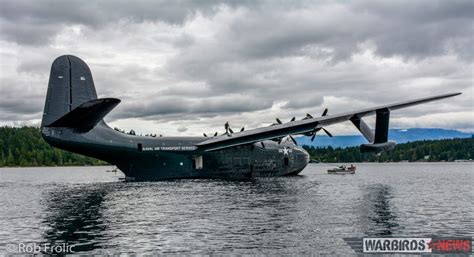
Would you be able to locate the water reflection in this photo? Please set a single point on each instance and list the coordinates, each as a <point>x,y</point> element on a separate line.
<point>74,216</point>
<point>379,215</point>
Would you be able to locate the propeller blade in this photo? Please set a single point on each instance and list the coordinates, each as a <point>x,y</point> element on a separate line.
<point>226,126</point>
<point>308,116</point>
<point>325,112</point>
<point>313,137</point>
<point>242,129</point>
<point>293,119</point>
<point>327,132</point>
<point>204,134</point>
<point>280,139</point>
<point>215,134</point>
<point>231,131</point>
<point>263,145</point>
<point>279,121</point>
<point>294,141</point>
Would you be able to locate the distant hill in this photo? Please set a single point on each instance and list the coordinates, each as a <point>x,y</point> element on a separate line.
<point>398,135</point>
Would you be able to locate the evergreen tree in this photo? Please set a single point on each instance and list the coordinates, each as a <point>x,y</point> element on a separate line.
<point>25,147</point>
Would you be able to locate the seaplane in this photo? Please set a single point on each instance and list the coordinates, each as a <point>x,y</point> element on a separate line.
<point>73,120</point>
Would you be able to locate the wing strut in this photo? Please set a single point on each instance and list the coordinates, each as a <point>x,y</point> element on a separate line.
<point>381,125</point>
<point>378,142</point>
<point>364,129</point>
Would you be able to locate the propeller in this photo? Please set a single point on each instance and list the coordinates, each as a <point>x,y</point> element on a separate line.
<point>308,116</point>
<point>316,130</point>
<point>325,112</point>
<point>291,137</point>
<point>228,129</point>
<point>279,121</point>
<point>205,135</point>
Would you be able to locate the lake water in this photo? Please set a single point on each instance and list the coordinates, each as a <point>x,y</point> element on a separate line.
<point>91,210</point>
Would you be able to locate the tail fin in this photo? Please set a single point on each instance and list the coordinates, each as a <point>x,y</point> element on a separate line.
<point>70,85</point>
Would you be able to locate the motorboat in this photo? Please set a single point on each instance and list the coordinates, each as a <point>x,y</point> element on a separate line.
<point>343,169</point>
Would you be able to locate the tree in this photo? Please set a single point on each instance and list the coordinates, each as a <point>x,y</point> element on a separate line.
<point>25,147</point>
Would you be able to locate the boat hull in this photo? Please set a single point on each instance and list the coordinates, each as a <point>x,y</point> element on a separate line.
<point>341,172</point>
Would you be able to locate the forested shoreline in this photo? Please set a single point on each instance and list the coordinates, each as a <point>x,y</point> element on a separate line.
<point>427,151</point>
<point>21,147</point>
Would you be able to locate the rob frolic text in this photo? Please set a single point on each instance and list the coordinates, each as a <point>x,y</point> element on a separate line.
<point>39,248</point>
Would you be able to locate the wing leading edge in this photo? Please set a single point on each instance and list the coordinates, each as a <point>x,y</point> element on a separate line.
<point>378,141</point>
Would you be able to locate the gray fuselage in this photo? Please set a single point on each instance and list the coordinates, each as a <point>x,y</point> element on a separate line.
<point>154,158</point>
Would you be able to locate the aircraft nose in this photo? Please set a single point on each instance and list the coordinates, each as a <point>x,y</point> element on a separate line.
<point>306,156</point>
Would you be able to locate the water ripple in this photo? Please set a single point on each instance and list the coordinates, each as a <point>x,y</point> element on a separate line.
<point>311,213</point>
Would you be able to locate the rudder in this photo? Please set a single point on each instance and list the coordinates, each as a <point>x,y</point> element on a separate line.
<point>70,85</point>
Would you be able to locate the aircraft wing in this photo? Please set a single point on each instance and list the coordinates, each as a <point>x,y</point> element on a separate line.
<point>378,140</point>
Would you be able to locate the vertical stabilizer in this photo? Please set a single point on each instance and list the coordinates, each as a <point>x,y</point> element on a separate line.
<point>70,85</point>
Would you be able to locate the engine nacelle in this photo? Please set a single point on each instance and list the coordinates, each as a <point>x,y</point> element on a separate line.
<point>377,148</point>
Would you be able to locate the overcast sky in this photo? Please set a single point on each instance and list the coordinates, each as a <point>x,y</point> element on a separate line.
<point>187,67</point>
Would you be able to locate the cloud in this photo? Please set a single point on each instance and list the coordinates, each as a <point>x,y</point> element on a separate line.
<point>198,64</point>
<point>162,106</point>
<point>34,22</point>
<point>182,129</point>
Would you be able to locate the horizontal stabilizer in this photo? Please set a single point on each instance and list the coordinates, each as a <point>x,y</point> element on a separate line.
<point>84,117</point>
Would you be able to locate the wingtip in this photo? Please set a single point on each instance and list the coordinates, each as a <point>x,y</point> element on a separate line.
<point>452,94</point>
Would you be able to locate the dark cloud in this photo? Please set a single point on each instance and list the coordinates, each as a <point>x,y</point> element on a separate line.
<point>18,107</point>
<point>20,99</point>
<point>161,106</point>
<point>36,22</point>
<point>268,29</point>
<point>247,61</point>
